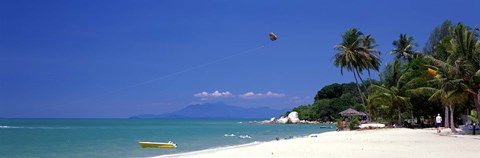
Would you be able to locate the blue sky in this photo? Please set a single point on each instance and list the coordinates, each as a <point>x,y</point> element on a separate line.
<point>118,58</point>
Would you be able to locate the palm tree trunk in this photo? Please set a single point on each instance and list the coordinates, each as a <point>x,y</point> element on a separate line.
<point>477,104</point>
<point>452,124</point>
<point>363,83</point>
<point>358,87</point>
<point>369,77</point>
<point>399,121</point>
<point>446,124</point>
<point>366,91</point>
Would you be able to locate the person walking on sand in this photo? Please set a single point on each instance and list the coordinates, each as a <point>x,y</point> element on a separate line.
<point>438,123</point>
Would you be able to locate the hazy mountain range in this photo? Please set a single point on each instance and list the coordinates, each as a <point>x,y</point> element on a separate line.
<point>218,110</point>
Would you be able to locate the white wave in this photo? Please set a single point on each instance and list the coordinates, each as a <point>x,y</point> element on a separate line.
<point>13,127</point>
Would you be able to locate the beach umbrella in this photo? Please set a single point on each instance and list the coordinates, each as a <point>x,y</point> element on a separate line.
<point>351,112</point>
<point>363,114</point>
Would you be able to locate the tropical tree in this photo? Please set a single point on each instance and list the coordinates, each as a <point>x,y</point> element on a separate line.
<point>461,50</point>
<point>349,57</point>
<point>404,47</point>
<point>372,55</point>
<point>357,53</point>
<point>370,59</point>
<point>436,36</point>
<point>465,49</point>
<point>450,90</point>
<point>416,73</point>
<point>391,95</point>
<point>457,64</point>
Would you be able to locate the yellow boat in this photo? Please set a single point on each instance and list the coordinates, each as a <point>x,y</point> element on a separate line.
<point>168,145</point>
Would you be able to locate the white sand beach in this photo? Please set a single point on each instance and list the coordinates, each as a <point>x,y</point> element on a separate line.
<point>392,143</point>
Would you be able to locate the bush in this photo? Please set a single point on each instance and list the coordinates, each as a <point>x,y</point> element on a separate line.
<point>353,123</point>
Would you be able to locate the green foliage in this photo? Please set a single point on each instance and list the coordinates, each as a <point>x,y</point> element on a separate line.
<point>385,101</point>
<point>307,112</point>
<point>353,122</point>
<point>335,91</point>
<point>438,34</point>
<point>405,88</point>
<point>390,76</point>
<point>330,100</point>
<point>473,116</point>
<point>404,47</point>
<point>357,53</point>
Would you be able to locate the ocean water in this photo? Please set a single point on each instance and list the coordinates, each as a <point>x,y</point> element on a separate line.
<point>119,137</point>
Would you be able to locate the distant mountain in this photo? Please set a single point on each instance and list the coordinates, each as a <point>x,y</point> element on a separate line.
<point>218,110</point>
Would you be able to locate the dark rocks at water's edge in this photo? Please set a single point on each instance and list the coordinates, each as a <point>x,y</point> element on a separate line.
<point>217,110</point>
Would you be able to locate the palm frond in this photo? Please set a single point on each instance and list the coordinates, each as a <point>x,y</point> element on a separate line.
<point>425,91</point>
<point>377,89</point>
<point>445,66</point>
<point>413,83</point>
<point>435,96</point>
<point>404,101</point>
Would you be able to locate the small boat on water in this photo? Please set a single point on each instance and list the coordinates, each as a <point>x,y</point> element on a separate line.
<point>229,135</point>
<point>168,145</point>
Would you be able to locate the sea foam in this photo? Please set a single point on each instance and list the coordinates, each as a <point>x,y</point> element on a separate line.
<point>208,150</point>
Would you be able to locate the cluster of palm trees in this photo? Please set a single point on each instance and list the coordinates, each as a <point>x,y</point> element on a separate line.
<point>452,54</point>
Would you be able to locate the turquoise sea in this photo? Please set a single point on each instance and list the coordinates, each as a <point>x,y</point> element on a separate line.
<point>119,137</point>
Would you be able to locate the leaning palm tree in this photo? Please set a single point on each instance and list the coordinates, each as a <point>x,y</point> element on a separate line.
<point>370,59</point>
<point>371,55</point>
<point>349,56</point>
<point>404,47</point>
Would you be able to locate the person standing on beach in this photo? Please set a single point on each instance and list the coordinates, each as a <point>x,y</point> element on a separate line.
<point>438,123</point>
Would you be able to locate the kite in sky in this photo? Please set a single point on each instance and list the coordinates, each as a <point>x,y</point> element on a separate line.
<point>273,37</point>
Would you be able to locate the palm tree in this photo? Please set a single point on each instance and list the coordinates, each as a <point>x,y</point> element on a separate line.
<point>461,49</point>
<point>371,54</point>
<point>349,55</point>
<point>370,59</point>
<point>465,48</point>
<point>404,47</point>
<point>357,53</point>
<point>449,91</point>
<point>457,66</point>
<point>392,73</point>
<point>391,94</point>
<point>391,97</point>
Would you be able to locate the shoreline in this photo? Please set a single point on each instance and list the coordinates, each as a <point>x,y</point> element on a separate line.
<point>397,142</point>
<point>210,150</point>
<point>222,148</point>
